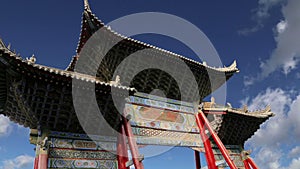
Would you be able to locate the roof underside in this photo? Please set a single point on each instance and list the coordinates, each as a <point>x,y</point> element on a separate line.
<point>237,125</point>
<point>236,128</point>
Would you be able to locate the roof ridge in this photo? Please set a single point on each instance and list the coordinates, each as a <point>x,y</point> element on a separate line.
<point>66,73</point>
<point>232,67</point>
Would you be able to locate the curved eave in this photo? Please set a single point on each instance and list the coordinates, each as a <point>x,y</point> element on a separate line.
<point>254,114</point>
<point>239,125</point>
<point>19,62</point>
<point>85,35</point>
<point>86,30</point>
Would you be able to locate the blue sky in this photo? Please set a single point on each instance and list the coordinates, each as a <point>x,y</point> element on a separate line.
<point>263,36</point>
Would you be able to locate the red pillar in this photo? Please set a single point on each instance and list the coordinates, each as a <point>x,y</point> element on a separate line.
<point>246,164</point>
<point>197,160</point>
<point>36,159</point>
<point>252,163</point>
<point>122,149</point>
<point>210,158</point>
<point>36,162</point>
<point>43,160</point>
<point>132,144</point>
<point>217,141</point>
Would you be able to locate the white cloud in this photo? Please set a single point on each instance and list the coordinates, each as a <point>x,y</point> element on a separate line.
<point>281,26</point>
<point>295,152</point>
<point>248,80</point>
<point>294,164</point>
<point>19,162</point>
<point>275,127</point>
<point>268,158</point>
<point>262,12</point>
<point>279,133</point>
<point>5,125</point>
<point>264,7</point>
<point>294,118</point>
<point>286,55</point>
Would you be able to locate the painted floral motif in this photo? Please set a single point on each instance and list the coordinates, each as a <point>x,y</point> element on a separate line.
<point>80,154</point>
<point>81,164</point>
<point>82,144</point>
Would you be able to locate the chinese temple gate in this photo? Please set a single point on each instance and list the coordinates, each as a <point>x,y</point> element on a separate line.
<point>41,98</point>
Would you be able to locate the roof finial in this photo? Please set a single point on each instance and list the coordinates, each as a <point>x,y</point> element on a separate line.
<point>86,5</point>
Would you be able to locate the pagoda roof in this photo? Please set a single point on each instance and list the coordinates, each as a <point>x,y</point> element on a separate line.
<point>206,83</point>
<point>236,125</point>
<point>90,24</point>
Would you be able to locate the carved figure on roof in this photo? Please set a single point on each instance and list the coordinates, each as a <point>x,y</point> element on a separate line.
<point>228,105</point>
<point>213,101</point>
<point>31,60</point>
<point>117,81</point>
<point>245,108</point>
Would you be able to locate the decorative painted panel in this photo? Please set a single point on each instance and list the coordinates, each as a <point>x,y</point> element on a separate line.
<point>159,126</point>
<point>71,163</point>
<point>78,151</point>
<point>161,119</point>
<point>80,154</point>
<point>83,144</point>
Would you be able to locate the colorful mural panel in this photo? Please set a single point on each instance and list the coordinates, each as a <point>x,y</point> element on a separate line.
<point>161,119</point>
<point>153,126</point>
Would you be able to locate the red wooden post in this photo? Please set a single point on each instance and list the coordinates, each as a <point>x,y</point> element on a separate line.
<point>217,140</point>
<point>197,160</point>
<point>122,149</point>
<point>36,162</point>
<point>132,144</point>
<point>246,164</point>
<point>43,159</point>
<point>210,158</point>
<point>252,163</point>
<point>36,159</point>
